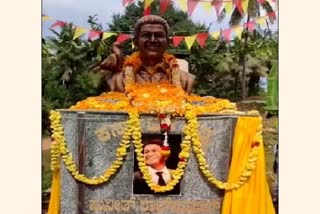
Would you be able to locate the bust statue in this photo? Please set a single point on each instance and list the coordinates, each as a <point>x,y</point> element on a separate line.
<point>151,63</point>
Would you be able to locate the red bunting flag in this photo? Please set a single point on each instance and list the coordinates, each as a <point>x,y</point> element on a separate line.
<point>250,25</point>
<point>94,34</point>
<point>58,24</point>
<point>261,1</point>
<point>147,11</point>
<point>176,40</point>
<point>123,37</point>
<point>272,14</point>
<point>191,6</point>
<point>226,34</point>
<point>238,4</point>
<point>217,5</point>
<point>201,38</point>
<point>164,6</point>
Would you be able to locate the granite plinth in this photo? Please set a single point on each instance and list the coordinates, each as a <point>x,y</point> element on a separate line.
<point>92,138</point>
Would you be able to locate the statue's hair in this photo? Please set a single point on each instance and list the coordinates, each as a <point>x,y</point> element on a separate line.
<point>151,19</point>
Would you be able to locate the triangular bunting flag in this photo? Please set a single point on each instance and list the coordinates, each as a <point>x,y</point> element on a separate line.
<point>201,38</point>
<point>127,2</point>
<point>191,6</point>
<point>217,5</point>
<point>94,34</point>
<point>239,6</point>
<point>238,31</point>
<point>250,25</point>
<point>245,4</point>
<point>261,21</point>
<point>228,6</point>
<point>106,35</point>
<point>183,5</point>
<point>147,11</point>
<point>58,24</point>
<point>206,6</point>
<point>215,35</point>
<point>46,18</point>
<point>176,40</point>
<point>261,1</point>
<point>147,7</point>
<point>79,31</point>
<point>147,3</point>
<point>123,37</point>
<point>190,40</point>
<point>272,14</point>
<point>226,34</point>
<point>164,6</point>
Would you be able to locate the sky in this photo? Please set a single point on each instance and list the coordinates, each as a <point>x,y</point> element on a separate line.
<point>78,11</point>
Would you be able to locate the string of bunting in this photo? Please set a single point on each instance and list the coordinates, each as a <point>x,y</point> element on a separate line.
<point>190,5</point>
<point>201,37</point>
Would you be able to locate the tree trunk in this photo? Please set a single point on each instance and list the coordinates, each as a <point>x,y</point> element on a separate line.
<point>243,62</point>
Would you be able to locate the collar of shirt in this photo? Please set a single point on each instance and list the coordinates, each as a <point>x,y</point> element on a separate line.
<point>155,177</point>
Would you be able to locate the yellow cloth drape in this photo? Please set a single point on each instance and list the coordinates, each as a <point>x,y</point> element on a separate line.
<point>54,204</point>
<point>253,197</point>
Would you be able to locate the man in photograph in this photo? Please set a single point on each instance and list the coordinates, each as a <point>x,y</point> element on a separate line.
<point>155,158</point>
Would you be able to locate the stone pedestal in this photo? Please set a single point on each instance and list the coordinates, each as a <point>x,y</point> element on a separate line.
<point>92,138</point>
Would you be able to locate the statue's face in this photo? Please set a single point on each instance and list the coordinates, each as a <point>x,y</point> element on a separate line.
<point>152,41</point>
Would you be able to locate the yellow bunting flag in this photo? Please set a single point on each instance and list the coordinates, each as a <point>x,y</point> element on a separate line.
<point>46,18</point>
<point>132,45</point>
<point>147,3</point>
<point>190,40</point>
<point>206,6</point>
<point>238,31</point>
<point>245,5</point>
<point>228,6</point>
<point>183,5</point>
<point>261,21</point>
<point>215,35</point>
<point>79,31</point>
<point>106,35</point>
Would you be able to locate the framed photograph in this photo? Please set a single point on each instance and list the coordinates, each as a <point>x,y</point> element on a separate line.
<point>161,162</point>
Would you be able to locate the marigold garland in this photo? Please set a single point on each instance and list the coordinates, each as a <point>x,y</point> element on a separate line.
<point>191,116</point>
<point>134,60</point>
<point>66,156</point>
<point>177,173</point>
<point>163,98</point>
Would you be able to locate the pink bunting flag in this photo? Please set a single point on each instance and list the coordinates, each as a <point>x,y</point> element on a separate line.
<point>58,24</point>
<point>176,40</point>
<point>238,4</point>
<point>202,38</point>
<point>127,2</point>
<point>217,5</point>
<point>164,6</point>
<point>226,34</point>
<point>191,6</point>
<point>123,37</point>
<point>250,25</point>
<point>261,1</point>
<point>94,34</point>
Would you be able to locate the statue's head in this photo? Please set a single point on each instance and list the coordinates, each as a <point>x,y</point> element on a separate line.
<point>151,36</point>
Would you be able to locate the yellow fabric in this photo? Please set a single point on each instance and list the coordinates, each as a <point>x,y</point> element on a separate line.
<point>79,31</point>
<point>253,197</point>
<point>147,3</point>
<point>54,204</point>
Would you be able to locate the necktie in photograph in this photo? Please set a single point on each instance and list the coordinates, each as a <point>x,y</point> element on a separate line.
<point>161,181</point>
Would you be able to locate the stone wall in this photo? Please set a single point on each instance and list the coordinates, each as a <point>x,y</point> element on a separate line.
<point>92,138</point>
